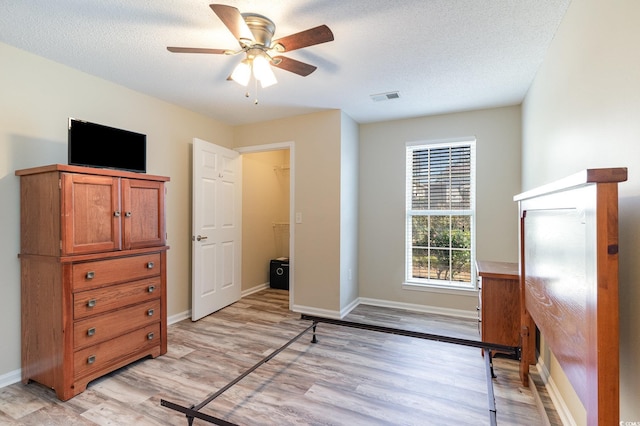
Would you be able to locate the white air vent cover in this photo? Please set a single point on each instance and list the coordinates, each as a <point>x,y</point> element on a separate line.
<point>385,96</point>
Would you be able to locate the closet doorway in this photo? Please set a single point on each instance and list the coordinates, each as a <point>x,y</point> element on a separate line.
<point>267,213</point>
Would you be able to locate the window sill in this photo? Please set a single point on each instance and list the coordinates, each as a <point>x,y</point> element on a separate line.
<point>435,288</point>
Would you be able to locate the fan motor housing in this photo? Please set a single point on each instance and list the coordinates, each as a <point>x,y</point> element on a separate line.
<point>261,27</point>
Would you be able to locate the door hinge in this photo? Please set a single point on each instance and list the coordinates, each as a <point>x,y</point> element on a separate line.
<point>59,183</point>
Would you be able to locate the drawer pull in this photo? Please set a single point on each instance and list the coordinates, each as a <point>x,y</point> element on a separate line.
<point>150,265</point>
<point>150,312</point>
<point>91,331</point>
<point>90,275</point>
<point>91,359</point>
<point>91,303</point>
<point>127,214</point>
<point>150,336</point>
<point>116,213</point>
<point>151,288</point>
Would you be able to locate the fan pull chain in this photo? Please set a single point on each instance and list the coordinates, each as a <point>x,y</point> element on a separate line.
<point>247,93</point>
<point>255,102</point>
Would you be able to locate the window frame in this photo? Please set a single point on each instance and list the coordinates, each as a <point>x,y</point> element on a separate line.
<point>448,285</point>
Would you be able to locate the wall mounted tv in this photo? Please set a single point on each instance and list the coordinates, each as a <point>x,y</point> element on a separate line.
<point>96,145</point>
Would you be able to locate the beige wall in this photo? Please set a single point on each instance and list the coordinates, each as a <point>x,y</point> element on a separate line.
<point>265,211</point>
<point>349,189</point>
<point>382,203</point>
<point>582,112</point>
<point>316,167</point>
<point>37,97</point>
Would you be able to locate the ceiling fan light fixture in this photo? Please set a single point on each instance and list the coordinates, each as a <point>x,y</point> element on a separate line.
<point>262,71</point>
<point>242,73</point>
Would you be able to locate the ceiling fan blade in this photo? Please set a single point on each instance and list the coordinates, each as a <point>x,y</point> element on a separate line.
<point>196,50</point>
<point>310,37</point>
<point>232,18</point>
<point>293,66</point>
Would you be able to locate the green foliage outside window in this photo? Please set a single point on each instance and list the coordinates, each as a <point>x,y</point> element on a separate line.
<point>442,247</point>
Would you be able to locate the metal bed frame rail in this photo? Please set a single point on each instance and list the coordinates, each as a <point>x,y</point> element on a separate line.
<point>193,411</point>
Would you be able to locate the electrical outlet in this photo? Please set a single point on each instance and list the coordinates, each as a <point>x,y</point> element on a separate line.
<point>298,217</point>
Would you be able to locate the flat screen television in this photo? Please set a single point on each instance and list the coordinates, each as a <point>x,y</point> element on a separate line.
<point>96,145</point>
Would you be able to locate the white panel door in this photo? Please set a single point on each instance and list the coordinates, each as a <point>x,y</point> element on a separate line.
<point>217,228</point>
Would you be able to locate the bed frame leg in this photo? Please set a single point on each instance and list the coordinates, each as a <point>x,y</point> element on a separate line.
<point>314,339</point>
<point>190,419</point>
<point>493,374</point>
<point>524,355</point>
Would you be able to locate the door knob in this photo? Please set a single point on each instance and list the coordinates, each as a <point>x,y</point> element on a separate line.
<point>200,238</point>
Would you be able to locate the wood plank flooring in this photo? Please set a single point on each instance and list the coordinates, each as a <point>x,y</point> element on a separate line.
<point>350,377</point>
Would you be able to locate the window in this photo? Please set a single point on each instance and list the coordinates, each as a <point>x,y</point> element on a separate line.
<point>440,230</point>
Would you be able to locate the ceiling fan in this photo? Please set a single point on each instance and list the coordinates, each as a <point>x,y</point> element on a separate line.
<point>254,33</point>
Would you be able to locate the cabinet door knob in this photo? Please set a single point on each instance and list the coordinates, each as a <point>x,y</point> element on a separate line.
<point>150,265</point>
<point>91,331</point>
<point>151,288</point>
<point>90,275</point>
<point>116,213</point>
<point>150,312</point>
<point>150,336</point>
<point>127,214</point>
<point>91,359</point>
<point>91,303</point>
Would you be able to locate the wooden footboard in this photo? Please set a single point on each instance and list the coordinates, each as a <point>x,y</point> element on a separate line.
<point>569,283</point>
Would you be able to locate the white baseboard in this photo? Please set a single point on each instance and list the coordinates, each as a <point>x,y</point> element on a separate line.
<point>556,398</point>
<point>10,378</point>
<point>350,307</point>
<point>255,289</point>
<point>309,310</point>
<point>458,313</point>
<point>178,317</point>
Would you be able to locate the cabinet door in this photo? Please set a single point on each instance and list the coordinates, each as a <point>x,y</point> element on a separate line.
<point>143,213</point>
<point>90,219</point>
<point>501,311</point>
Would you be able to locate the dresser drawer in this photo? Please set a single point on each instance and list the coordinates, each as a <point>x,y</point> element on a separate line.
<point>97,329</point>
<point>110,352</point>
<point>102,272</point>
<point>99,300</point>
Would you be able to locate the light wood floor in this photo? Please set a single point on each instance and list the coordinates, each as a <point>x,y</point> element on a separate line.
<point>350,377</point>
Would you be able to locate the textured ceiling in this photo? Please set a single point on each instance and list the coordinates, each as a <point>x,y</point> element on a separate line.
<point>440,55</point>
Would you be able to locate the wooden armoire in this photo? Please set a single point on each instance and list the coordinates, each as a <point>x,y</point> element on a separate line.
<point>93,272</point>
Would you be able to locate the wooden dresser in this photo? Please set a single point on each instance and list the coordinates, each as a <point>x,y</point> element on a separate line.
<point>499,302</point>
<point>93,271</point>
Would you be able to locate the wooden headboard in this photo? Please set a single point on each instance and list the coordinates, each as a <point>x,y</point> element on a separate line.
<point>569,283</point>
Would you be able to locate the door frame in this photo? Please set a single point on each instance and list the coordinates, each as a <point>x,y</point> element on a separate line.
<point>277,147</point>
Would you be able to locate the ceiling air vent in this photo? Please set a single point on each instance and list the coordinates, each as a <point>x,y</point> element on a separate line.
<point>385,96</point>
